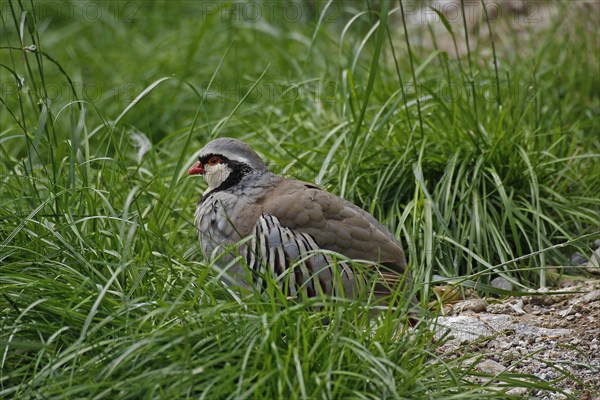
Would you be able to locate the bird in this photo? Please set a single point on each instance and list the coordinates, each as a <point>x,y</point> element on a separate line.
<point>259,226</point>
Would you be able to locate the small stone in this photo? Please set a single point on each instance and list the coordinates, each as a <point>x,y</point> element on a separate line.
<point>505,345</point>
<point>518,307</point>
<point>475,305</point>
<point>490,367</point>
<point>593,265</point>
<point>500,282</point>
<point>578,259</point>
<point>468,328</point>
<point>543,300</point>
<point>591,296</point>
<point>518,391</point>
<point>499,308</point>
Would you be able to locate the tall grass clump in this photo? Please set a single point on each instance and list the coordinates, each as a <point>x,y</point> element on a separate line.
<point>104,292</point>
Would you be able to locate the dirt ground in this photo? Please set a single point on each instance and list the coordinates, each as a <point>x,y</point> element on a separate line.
<point>554,338</point>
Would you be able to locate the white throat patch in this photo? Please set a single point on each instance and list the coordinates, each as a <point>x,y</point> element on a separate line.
<point>215,175</point>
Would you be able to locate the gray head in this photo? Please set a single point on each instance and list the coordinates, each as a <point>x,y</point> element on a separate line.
<point>224,162</point>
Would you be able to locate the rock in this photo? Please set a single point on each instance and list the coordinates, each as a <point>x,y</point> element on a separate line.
<point>587,298</point>
<point>517,307</point>
<point>474,305</point>
<point>490,367</point>
<point>501,283</point>
<point>540,332</point>
<point>591,296</point>
<point>505,345</point>
<point>518,391</point>
<point>467,328</point>
<point>543,300</point>
<point>572,309</point>
<point>593,266</point>
<point>499,308</point>
<point>578,259</point>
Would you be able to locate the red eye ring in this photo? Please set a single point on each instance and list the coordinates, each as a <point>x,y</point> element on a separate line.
<point>214,160</point>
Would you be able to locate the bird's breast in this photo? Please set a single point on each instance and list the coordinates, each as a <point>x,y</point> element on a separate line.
<point>223,218</point>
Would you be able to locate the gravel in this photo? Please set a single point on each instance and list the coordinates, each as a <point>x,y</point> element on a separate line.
<point>548,337</point>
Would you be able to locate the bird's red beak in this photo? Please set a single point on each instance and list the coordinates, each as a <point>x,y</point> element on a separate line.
<point>196,169</point>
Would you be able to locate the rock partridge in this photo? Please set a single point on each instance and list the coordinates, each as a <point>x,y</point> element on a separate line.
<point>264,226</point>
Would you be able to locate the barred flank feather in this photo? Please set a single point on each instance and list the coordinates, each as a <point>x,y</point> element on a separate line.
<point>295,260</point>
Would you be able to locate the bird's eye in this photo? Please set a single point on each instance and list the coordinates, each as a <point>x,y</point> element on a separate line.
<point>214,160</point>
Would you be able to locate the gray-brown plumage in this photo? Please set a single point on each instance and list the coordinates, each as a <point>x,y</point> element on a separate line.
<point>289,229</point>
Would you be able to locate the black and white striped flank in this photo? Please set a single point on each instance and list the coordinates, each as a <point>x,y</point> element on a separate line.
<point>295,261</point>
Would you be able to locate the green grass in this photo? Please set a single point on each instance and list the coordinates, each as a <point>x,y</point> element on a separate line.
<point>104,291</point>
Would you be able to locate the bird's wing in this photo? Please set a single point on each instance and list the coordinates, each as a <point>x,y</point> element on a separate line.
<point>334,223</point>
